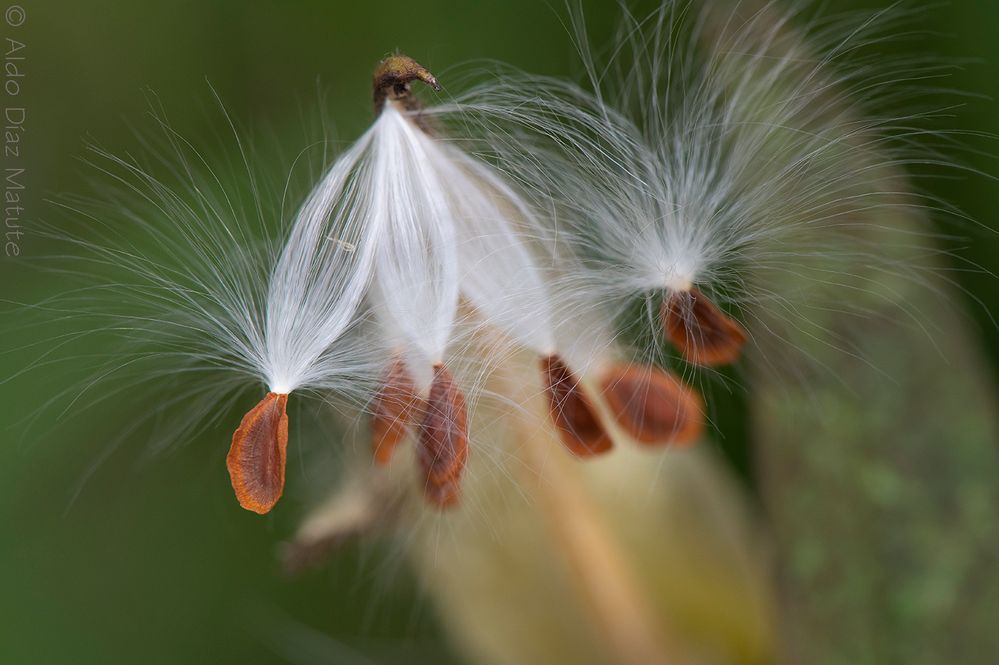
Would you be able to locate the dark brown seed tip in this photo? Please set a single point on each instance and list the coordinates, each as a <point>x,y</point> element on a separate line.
<point>572,411</point>
<point>392,78</point>
<point>394,409</point>
<point>652,406</point>
<point>443,445</point>
<point>704,334</point>
<point>257,457</point>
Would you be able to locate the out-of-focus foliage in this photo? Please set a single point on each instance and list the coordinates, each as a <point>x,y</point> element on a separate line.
<point>879,477</point>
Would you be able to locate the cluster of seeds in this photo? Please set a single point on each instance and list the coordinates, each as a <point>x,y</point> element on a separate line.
<point>716,161</point>
<point>439,229</point>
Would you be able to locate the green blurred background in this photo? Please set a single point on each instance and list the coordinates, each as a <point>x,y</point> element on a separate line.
<point>110,557</point>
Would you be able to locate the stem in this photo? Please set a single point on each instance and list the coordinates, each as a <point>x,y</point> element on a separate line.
<point>608,590</point>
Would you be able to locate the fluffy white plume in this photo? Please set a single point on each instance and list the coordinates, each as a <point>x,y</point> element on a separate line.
<point>417,267</point>
<point>500,271</point>
<point>200,278</point>
<point>322,275</point>
<point>449,225</point>
<point>712,148</point>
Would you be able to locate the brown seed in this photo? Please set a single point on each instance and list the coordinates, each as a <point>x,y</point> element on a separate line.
<point>443,446</point>
<point>394,408</point>
<point>652,406</point>
<point>704,334</point>
<point>257,457</point>
<point>572,411</point>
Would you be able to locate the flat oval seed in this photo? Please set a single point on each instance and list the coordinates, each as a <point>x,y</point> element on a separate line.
<point>652,406</point>
<point>443,445</point>
<point>572,412</point>
<point>702,333</point>
<point>393,410</point>
<point>257,457</point>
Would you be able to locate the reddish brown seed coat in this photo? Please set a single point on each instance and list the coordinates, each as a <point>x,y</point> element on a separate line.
<point>395,407</point>
<point>652,406</point>
<point>443,443</point>
<point>701,331</point>
<point>572,411</point>
<point>258,454</point>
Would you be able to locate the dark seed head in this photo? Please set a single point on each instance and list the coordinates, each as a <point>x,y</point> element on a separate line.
<point>392,78</point>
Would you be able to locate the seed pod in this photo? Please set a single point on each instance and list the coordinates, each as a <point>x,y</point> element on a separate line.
<point>572,411</point>
<point>443,444</point>
<point>257,457</point>
<point>392,78</point>
<point>703,333</point>
<point>652,406</point>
